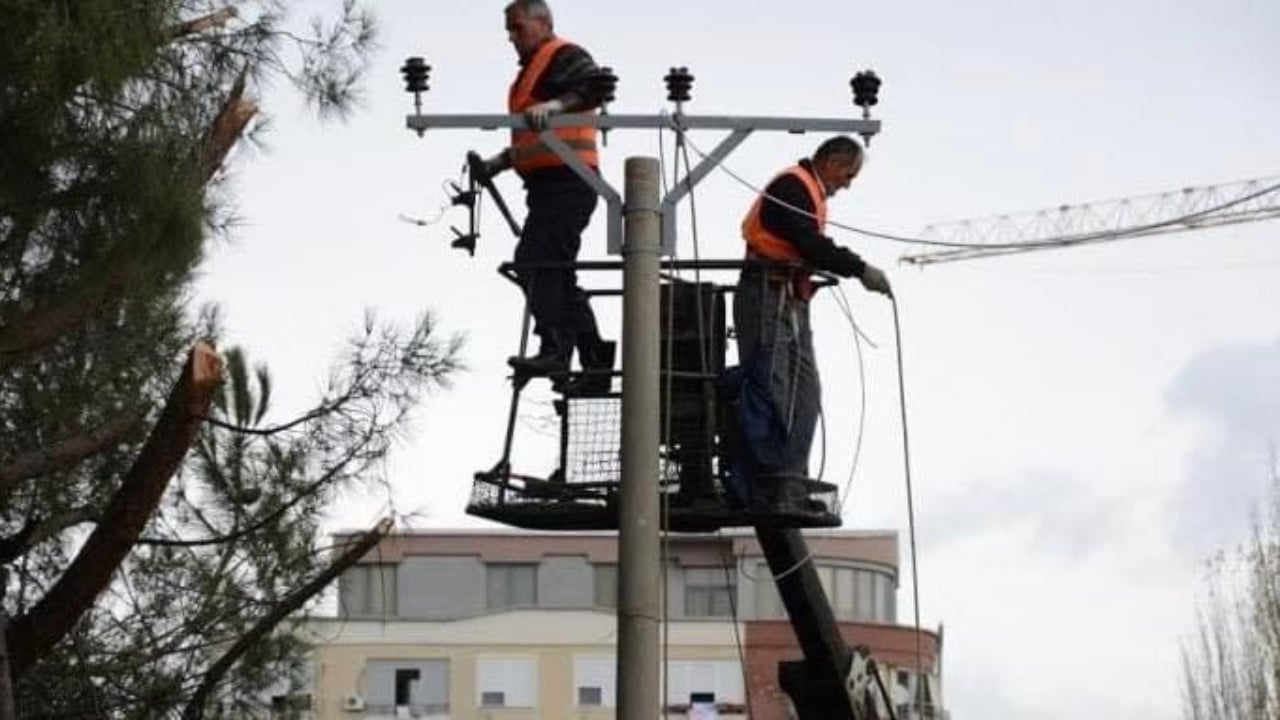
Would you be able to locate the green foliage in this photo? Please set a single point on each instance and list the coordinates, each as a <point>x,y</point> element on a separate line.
<point>107,199</point>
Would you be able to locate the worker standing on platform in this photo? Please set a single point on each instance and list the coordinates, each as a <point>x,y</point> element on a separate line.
<point>554,78</point>
<point>787,224</point>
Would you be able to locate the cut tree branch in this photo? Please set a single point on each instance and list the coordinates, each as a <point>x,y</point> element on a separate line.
<point>34,633</point>
<point>214,19</point>
<point>289,604</point>
<point>38,329</point>
<point>67,452</point>
<point>227,128</point>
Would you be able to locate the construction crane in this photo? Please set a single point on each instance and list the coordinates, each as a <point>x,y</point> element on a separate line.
<point>1190,208</point>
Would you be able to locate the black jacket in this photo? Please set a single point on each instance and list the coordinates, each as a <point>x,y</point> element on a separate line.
<point>818,250</point>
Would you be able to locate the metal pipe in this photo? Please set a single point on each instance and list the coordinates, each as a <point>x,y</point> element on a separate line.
<point>639,519</point>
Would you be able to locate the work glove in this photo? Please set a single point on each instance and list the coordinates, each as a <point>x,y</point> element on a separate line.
<point>537,115</point>
<point>483,169</point>
<point>874,279</point>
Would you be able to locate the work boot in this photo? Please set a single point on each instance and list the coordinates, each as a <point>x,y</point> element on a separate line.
<point>596,379</point>
<point>552,359</point>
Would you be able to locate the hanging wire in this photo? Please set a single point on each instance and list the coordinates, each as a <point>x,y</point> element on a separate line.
<point>911,511</point>
<point>704,357</point>
<point>441,211</point>
<point>665,547</point>
<point>737,636</point>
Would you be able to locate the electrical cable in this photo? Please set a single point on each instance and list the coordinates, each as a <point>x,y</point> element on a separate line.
<point>664,555</point>
<point>842,302</point>
<point>911,512</point>
<point>441,211</point>
<point>737,637</point>
<point>1087,239</point>
<point>704,357</point>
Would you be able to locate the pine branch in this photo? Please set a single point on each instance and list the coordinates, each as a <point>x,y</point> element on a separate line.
<point>35,331</point>
<point>38,329</point>
<point>34,633</point>
<point>65,453</point>
<point>34,533</point>
<point>288,605</point>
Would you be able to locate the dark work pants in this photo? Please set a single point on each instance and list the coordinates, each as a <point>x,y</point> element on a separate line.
<point>769,319</point>
<point>559,210</point>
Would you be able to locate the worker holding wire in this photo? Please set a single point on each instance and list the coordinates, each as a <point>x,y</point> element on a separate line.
<point>786,240</point>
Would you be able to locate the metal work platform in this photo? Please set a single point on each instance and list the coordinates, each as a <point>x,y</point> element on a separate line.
<point>704,485</point>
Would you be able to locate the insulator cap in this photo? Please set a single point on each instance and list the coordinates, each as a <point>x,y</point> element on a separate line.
<point>679,82</point>
<point>866,88</point>
<point>602,84</point>
<point>415,71</point>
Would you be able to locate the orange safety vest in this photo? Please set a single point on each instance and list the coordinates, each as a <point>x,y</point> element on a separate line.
<point>763,244</point>
<point>528,153</point>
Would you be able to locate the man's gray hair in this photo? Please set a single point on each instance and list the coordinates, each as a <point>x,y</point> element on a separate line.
<point>840,145</point>
<point>531,8</point>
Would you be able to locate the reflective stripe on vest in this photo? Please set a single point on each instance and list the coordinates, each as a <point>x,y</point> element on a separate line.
<point>761,243</point>
<point>527,151</point>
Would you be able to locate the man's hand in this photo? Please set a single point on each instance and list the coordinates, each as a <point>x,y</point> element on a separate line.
<point>874,279</point>
<point>483,169</point>
<point>538,115</point>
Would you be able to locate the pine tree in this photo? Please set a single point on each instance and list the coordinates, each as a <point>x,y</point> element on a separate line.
<point>127,592</point>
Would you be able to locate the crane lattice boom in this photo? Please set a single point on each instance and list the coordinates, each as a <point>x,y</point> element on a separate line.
<point>1190,208</point>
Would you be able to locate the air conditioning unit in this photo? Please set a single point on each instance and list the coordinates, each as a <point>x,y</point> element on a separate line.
<point>353,703</point>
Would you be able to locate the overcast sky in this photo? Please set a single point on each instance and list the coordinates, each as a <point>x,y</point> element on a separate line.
<point>1088,425</point>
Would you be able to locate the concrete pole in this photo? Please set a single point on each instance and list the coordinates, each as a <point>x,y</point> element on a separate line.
<point>639,519</point>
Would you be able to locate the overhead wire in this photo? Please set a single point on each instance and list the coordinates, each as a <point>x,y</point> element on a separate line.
<point>1086,239</point>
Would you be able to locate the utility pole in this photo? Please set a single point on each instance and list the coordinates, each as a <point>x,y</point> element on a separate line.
<point>639,516</point>
<point>643,230</point>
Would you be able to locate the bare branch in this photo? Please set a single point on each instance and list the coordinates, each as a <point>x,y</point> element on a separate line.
<point>67,452</point>
<point>293,601</point>
<point>32,634</point>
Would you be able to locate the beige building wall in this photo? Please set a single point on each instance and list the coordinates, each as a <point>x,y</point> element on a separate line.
<point>551,638</point>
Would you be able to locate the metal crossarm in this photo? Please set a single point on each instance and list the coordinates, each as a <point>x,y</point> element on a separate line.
<point>739,129</point>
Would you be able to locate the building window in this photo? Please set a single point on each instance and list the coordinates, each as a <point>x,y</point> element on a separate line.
<point>419,687</point>
<point>368,590</point>
<point>709,592</point>
<point>511,585</point>
<point>862,595</point>
<point>606,586</point>
<point>768,602</point>
<point>507,682</point>
<point>843,603</point>
<point>593,681</point>
<point>693,680</point>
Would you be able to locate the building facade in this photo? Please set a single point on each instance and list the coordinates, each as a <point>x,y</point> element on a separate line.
<point>520,625</point>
